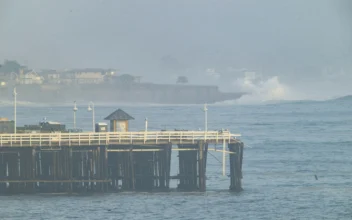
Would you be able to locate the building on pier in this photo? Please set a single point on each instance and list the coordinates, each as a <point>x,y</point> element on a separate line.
<point>6,126</point>
<point>119,120</point>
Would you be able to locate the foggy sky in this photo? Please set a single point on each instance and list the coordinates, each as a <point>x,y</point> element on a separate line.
<point>153,37</point>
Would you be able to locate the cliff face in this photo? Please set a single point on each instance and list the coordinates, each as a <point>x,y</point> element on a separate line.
<point>127,93</point>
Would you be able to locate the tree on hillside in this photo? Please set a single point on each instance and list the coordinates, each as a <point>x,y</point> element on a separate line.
<point>126,78</point>
<point>10,66</point>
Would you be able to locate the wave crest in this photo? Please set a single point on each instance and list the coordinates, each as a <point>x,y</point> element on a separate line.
<point>260,91</point>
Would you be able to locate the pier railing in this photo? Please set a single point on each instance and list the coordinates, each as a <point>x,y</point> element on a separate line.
<point>114,138</point>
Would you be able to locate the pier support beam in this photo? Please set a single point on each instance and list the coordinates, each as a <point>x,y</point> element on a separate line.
<point>128,178</point>
<point>114,169</point>
<point>13,172</point>
<point>236,166</point>
<point>202,158</point>
<point>143,168</point>
<point>167,155</point>
<point>192,166</point>
<point>187,156</point>
<point>3,172</point>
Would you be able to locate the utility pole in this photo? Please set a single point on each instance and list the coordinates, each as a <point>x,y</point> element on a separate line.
<point>91,108</point>
<point>15,109</point>
<point>74,114</point>
<point>224,158</point>
<point>146,124</point>
<point>205,117</point>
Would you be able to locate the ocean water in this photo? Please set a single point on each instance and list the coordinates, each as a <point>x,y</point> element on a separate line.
<point>287,144</point>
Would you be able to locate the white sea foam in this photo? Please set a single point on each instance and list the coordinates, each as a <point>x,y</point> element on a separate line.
<point>262,91</point>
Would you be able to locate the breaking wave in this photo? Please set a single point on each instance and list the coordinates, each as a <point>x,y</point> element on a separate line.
<point>262,91</point>
<point>272,90</point>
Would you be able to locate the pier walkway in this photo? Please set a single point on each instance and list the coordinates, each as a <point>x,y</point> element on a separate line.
<point>115,138</point>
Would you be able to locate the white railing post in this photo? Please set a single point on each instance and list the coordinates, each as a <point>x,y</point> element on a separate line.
<point>181,137</point>
<point>224,158</point>
<point>217,138</point>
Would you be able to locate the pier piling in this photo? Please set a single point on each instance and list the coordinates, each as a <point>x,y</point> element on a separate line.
<point>236,159</point>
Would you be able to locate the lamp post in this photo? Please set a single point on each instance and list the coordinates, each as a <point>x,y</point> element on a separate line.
<point>15,109</point>
<point>91,108</point>
<point>205,117</point>
<point>74,114</point>
<point>146,124</point>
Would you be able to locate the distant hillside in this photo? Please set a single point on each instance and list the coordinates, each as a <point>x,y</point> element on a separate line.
<point>343,98</point>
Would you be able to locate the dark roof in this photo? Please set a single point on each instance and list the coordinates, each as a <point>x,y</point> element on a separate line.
<point>119,115</point>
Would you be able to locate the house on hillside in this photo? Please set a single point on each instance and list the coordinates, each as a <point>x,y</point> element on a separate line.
<point>31,77</point>
<point>89,77</point>
<point>51,76</point>
<point>85,76</point>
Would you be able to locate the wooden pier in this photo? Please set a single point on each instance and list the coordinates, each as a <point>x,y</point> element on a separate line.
<point>112,161</point>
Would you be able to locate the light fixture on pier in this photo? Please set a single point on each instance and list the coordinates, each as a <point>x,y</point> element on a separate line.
<point>74,114</point>
<point>146,124</point>
<point>91,108</point>
<point>15,109</point>
<point>205,109</point>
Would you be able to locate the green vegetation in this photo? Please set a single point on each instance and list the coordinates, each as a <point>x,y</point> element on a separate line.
<point>126,78</point>
<point>10,66</point>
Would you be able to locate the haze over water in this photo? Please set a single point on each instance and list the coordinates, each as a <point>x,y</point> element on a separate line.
<point>297,160</point>
<point>298,49</point>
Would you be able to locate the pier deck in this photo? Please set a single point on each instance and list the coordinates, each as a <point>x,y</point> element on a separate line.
<point>112,161</point>
<point>115,138</point>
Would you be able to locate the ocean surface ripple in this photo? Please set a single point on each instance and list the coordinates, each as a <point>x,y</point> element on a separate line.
<point>287,144</point>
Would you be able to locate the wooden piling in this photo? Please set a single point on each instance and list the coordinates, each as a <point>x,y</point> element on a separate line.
<point>3,172</point>
<point>188,167</point>
<point>236,166</point>
<point>131,165</point>
<point>168,150</point>
<point>201,166</point>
